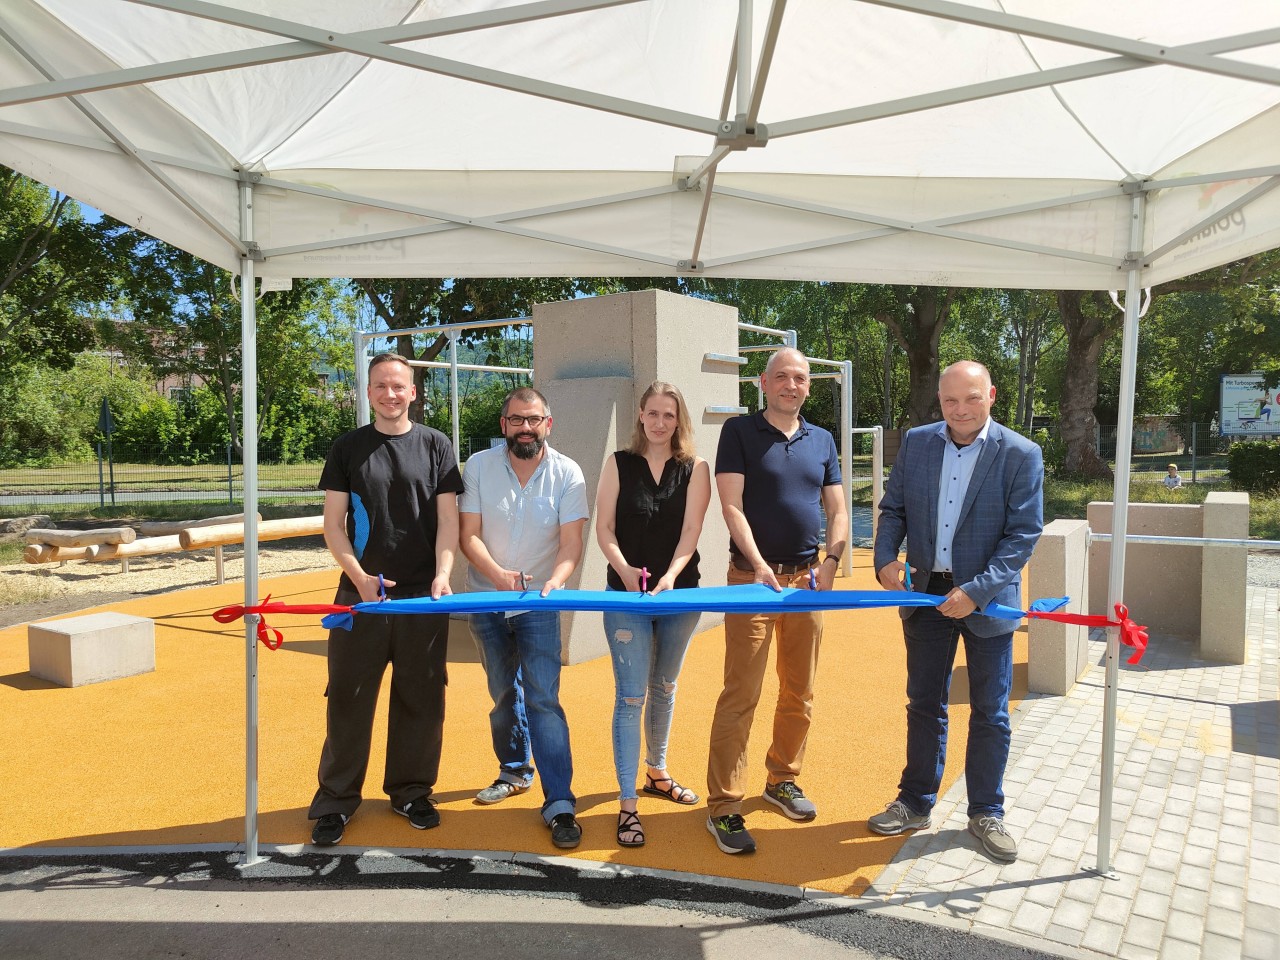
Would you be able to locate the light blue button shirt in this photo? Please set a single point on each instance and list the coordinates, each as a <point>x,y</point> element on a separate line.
<point>953,484</point>
<point>520,526</point>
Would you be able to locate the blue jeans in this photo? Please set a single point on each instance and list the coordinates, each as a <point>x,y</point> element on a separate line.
<point>647,654</point>
<point>931,641</point>
<point>521,658</point>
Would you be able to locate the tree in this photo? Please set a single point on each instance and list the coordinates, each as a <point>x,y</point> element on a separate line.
<point>56,268</point>
<point>915,317</point>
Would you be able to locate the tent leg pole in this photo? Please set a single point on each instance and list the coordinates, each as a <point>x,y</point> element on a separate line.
<point>249,437</point>
<point>846,452</point>
<point>1120,525</point>
<point>453,392</point>
<point>362,378</point>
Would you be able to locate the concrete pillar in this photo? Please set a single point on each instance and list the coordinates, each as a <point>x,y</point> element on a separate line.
<point>1058,653</point>
<point>1223,610</point>
<point>593,358</point>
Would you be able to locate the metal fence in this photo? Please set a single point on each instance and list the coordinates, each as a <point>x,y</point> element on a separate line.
<point>213,475</point>
<point>1201,456</point>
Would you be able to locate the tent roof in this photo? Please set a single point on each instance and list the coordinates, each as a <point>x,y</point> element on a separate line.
<point>987,143</point>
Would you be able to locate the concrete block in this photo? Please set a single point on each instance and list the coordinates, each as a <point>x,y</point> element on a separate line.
<point>92,648</point>
<point>1162,584</point>
<point>1058,653</point>
<point>1223,628</point>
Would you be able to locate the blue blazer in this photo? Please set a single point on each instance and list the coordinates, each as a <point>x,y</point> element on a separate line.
<point>1000,519</point>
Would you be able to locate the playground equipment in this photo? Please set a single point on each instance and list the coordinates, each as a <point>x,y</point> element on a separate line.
<point>123,543</point>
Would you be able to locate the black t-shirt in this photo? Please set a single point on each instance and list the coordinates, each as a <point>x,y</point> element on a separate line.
<point>393,480</point>
<point>649,516</point>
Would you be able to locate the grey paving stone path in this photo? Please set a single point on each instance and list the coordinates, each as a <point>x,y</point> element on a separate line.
<point>1195,839</point>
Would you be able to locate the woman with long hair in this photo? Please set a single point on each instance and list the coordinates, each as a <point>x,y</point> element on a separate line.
<point>650,505</point>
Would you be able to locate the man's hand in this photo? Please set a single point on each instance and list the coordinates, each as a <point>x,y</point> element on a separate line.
<point>957,605</point>
<point>368,587</point>
<point>511,580</point>
<point>765,575</point>
<point>893,575</point>
<point>440,586</point>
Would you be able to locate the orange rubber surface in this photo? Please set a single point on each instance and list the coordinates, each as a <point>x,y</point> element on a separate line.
<point>159,759</point>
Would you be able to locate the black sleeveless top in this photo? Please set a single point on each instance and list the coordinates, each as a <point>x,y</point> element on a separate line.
<point>649,516</point>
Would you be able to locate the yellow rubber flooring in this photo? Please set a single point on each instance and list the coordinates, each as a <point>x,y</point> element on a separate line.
<point>159,758</point>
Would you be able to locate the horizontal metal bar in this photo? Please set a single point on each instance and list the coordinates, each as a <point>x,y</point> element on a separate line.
<point>759,348</point>
<point>1190,541</point>
<point>723,409</point>
<point>446,327</point>
<point>724,358</point>
<point>755,328</point>
<point>480,367</point>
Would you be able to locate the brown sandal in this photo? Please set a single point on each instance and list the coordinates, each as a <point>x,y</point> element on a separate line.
<point>629,824</point>
<point>675,792</point>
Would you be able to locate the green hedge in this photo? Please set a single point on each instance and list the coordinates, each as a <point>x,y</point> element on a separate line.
<point>1254,465</point>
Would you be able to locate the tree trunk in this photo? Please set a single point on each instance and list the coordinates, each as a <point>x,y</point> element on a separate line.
<point>1087,333</point>
<point>918,332</point>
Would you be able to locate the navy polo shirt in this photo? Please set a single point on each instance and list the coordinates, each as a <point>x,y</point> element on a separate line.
<point>782,483</point>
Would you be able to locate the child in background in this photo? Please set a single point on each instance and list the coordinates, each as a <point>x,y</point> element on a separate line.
<point>1173,481</point>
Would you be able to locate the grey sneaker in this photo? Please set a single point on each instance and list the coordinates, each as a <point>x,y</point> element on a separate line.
<point>499,790</point>
<point>788,796</point>
<point>897,818</point>
<point>422,813</point>
<point>731,834</point>
<point>996,840</point>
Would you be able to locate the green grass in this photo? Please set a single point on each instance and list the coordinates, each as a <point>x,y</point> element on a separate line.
<point>149,477</point>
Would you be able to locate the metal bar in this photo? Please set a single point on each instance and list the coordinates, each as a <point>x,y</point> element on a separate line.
<point>1226,211</point>
<point>756,328</point>
<point>1193,451</point>
<point>477,367</point>
<point>218,566</point>
<point>767,48</point>
<point>1189,541</point>
<point>249,437</point>
<point>453,392</point>
<point>452,221</point>
<point>444,328</point>
<point>707,165</point>
<point>877,472</point>
<point>703,214</point>
<point>338,42</point>
<point>362,378</point>
<point>126,147</point>
<point>846,449</point>
<point>724,358</point>
<point>297,49</point>
<point>744,58</point>
<point>1120,526</point>
<point>720,408</point>
<point>1192,57</point>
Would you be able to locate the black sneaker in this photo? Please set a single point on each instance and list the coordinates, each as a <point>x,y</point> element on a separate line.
<point>328,829</point>
<point>422,813</point>
<point>731,834</point>
<point>565,831</point>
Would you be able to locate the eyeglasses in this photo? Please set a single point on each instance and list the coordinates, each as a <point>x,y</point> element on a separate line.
<point>521,421</point>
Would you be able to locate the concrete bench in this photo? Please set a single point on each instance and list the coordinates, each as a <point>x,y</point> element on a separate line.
<point>92,648</point>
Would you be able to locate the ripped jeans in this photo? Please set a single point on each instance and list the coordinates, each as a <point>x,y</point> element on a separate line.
<point>647,654</point>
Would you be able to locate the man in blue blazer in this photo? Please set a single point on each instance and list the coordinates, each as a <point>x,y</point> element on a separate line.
<point>968,497</point>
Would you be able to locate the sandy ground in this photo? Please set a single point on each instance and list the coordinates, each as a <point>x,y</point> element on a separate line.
<point>52,589</point>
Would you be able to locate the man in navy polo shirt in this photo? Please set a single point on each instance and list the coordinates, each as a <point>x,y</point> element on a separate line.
<point>776,474</point>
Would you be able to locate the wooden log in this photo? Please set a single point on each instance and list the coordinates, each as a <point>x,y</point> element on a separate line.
<point>171,528</point>
<point>43,553</point>
<point>267,530</point>
<point>82,538</point>
<point>38,553</point>
<point>145,547</point>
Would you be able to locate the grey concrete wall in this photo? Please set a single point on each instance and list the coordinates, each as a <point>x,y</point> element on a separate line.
<point>1058,653</point>
<point>1162,584</point>
<point>593,358</point>
<point>1223,612</point>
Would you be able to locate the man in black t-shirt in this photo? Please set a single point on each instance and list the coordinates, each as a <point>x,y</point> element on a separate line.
<point>390,519</point>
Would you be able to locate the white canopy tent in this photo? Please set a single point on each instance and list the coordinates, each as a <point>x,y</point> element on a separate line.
<point>1015,143</point>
